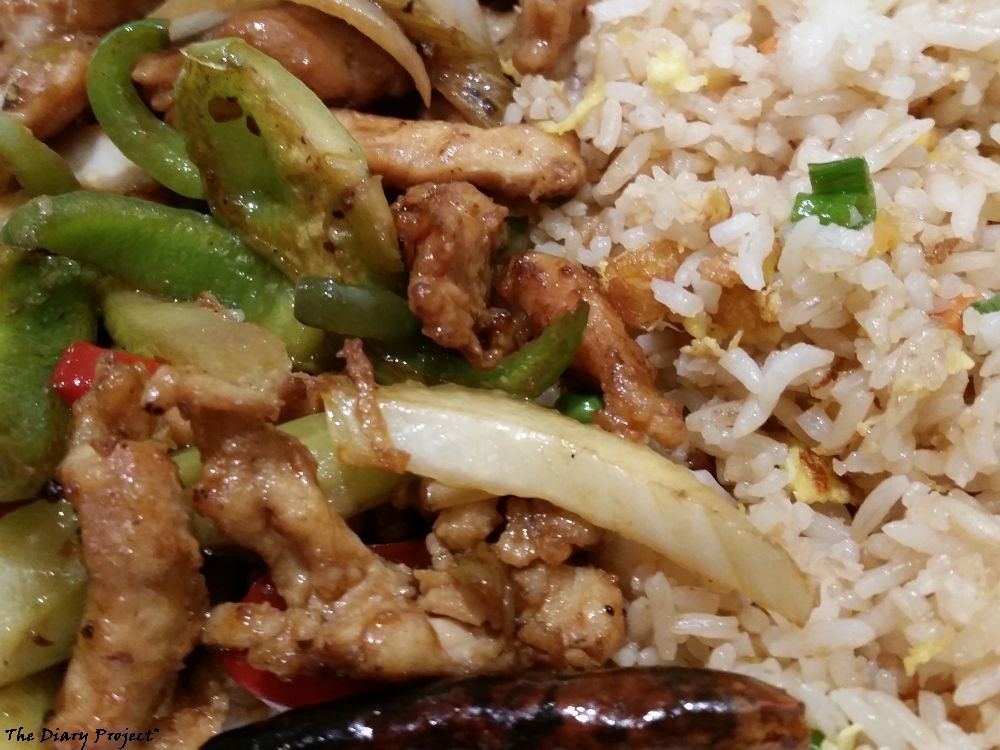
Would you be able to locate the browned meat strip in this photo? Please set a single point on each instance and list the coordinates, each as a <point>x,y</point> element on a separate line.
<point>537,530</point>
<point>511,161</point>
<point>198,714</point>
<point>573,616</point>
<point>449,233</point>
<point>45,48</point>
<point>145,596</point>
<point>668,708</point>
<point>348,609</point>
<point>542,32</point>
<point>340,64</point>
<point>546,287</point>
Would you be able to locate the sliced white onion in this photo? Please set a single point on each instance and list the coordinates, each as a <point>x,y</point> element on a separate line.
<point>465,15</point>
<point>364,15</point>
<point>504,446</point>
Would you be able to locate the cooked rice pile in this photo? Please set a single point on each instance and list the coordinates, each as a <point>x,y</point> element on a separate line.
<point>816,362</point>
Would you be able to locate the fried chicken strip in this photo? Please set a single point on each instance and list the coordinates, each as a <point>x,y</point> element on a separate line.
<point>511,161</point>
<point>348,609</point>
<point>145,595</point>
<point>546,287</point>
<point>449,233</point>
<point>543,30</point>
<point>340,64</point>
<point>45,48</point>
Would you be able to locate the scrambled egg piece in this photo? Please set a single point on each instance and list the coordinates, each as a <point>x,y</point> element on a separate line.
<point>592,97</point>
<point>847,739</point>
<point>886,235</point>
<point>667,72</point>
<point>922,653</point>
<point>811,478</point>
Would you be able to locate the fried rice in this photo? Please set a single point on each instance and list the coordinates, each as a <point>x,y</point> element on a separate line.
<point>809,356</point>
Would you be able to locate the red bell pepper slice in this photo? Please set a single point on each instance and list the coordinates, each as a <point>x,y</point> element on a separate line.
<point>74,373</point>
<point>308,690</point>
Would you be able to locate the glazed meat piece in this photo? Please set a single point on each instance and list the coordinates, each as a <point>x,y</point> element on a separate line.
<point>336,61</point>
<point>512,161</point>
<point>45,48</point>
<point>574,617</point>
<point>145,596</point>
<point>546,287</point>
<point>448,233</point>
<point>537,530</point>
<point>543,30</point>
<point>348,609</point>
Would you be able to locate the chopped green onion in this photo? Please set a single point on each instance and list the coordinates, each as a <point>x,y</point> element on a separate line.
<point>580,406</point>
<point>816,739</point>
<point>987,306</point>
<point>842,194</point>
<point>844,176</point>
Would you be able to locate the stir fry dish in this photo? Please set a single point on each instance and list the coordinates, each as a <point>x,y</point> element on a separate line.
<point>481,375</point>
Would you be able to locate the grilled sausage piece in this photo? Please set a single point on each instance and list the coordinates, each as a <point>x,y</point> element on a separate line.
<point>657,708</point>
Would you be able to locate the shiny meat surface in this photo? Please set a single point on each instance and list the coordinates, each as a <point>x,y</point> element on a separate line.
<point>537,530</point>
<point>348,609</point>
<point>45,48</point>
<point>145,596</point>
<point>448,233</point>
<point>543,31</point>
<point>339,63</point>
<point>573,616</point>
<point>546,287</point>
<point>199,714</point>
<point>462,527</point>
<point>512,161</point>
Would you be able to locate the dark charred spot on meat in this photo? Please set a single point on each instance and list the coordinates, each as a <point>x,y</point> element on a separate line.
<point>252,125</point>
<point>87,631</point>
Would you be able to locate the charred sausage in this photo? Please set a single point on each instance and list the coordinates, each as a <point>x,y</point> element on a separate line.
<point>657,708</point>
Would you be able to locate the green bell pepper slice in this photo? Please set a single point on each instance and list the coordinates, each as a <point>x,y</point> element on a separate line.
<point>354,311</point>
<point>279,167</point>
<point>171,252</point>
<point>528,372</point>
<point>143,137</point>
<point>46,304</point>
<point>39,169</point>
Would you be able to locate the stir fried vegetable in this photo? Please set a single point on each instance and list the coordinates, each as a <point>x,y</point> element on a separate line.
<point>528,372</point>
<point>137,132</point>
<point>467,438</point>
<point>367,17</point>
<point>580,406</point>
<point>842,193</point>
<point>43,582</point>
<point>279,167</point>
<point>24,705</point>
<point>45,305</point>
<point>38,169</point>
<point>349,489</point>
<point>462,63</point>
<point>171,252</point>
<point>74,373</point>
<point>354,311</point>
<point>188,333</point>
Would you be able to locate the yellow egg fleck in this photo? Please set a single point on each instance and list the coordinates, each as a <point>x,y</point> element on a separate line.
<point>592,97</point>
